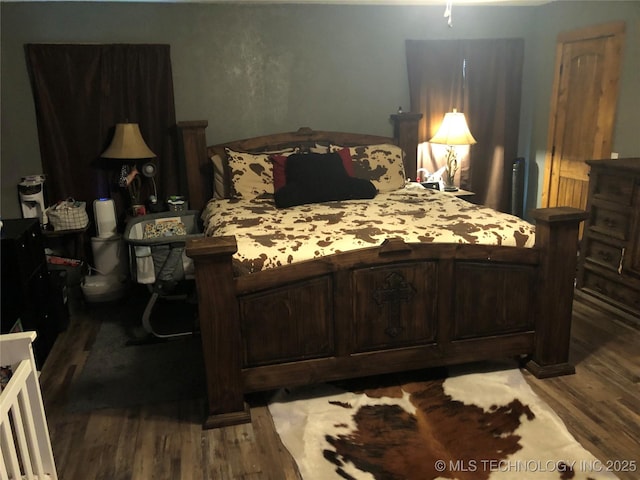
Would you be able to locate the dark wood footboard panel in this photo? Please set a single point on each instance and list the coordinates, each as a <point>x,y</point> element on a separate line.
<point>385,309</point>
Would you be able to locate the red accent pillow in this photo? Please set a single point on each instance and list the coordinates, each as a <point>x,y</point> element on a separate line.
<point>280,164</point>
<point>345,155</point>
<point>279,175</point>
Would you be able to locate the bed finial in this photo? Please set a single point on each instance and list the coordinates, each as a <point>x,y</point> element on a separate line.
<point>405,132</point>
<point>193,146</point>
<point>304,131</point>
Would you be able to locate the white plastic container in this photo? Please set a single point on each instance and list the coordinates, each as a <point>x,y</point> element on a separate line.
<point>104,211</point>
<point>109,254</point>
<point>104,288</point>
<point>109,279</point>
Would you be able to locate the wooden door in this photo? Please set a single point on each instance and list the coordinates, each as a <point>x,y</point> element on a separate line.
<point>583,106</point>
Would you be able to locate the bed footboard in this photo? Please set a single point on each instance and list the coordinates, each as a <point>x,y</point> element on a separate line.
<point>557,239</point>
<point>396,307</point>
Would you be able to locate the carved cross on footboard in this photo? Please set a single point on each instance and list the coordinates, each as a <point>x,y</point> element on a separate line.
<point>392,294</point>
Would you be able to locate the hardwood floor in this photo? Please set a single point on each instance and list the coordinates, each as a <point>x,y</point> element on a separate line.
<point>600,406</point>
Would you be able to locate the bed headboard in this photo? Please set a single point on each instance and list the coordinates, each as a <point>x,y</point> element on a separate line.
<point>196,155</point>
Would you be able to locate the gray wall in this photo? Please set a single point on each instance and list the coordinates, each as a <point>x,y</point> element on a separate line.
<point>257,69</point>
<point>565,16</point>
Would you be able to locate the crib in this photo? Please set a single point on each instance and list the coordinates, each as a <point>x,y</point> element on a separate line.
<point>158,259</point>
<point>24,434</point>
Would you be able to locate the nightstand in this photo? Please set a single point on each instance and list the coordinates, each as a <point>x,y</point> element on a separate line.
<point>73,242</point>
<point>463,194</point>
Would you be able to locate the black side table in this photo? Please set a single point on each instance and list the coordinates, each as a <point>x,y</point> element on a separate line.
<point>74,241</point>
<point>463,194</point>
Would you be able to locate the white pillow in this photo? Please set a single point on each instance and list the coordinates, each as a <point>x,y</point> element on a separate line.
<point>219,190</point>
<point>318,148</point>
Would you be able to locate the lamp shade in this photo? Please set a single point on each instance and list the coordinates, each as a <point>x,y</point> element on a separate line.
<point>453,131</point>
<point>128,144</point>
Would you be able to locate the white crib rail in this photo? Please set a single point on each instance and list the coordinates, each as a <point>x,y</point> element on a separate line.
<point>24,435</point>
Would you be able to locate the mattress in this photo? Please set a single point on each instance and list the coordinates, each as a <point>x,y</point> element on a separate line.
<point>269,237</point>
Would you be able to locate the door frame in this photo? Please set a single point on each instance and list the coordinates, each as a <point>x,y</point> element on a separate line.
<point>611,29</point>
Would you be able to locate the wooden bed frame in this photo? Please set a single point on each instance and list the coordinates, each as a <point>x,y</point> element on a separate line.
<point>395,307</point>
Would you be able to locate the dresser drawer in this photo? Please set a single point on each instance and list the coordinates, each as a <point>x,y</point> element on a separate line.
<point>605,255</point>
<point>30,250</point>
<point>610,290</point>
<point>35,299</point>
<point>22,249</point>
<point>614,188</point>
<point>609,222</point>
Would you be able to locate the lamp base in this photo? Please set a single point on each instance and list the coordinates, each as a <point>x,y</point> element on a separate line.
<point>450,188</point>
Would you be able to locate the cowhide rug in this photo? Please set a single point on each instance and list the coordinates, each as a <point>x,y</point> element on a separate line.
<point>485,425</point>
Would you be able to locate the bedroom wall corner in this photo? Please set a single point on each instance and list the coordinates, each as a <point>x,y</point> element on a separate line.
<point>552,19</point>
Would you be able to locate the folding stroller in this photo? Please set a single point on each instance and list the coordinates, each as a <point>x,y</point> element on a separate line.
<point>157,259</point>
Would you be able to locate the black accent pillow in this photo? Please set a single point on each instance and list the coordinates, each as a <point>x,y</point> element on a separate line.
<point>320,177</point>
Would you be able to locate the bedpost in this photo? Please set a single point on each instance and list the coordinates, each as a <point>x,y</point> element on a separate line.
<point>193,147</point>
<point>557,238</point>
<point>220,330</point>
<point>405,132</point>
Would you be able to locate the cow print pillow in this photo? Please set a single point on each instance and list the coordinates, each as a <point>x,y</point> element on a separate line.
<point>251,173</point>
<point>381,164</point>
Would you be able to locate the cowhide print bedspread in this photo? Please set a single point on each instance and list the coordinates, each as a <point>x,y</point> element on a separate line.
<point>269,237</point>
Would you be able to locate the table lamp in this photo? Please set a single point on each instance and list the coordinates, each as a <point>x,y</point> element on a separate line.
<point>454,131</point>
<point>127,144</point>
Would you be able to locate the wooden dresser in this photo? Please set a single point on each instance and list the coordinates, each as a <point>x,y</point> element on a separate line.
<point>609,264</point>
<point>30,300</point>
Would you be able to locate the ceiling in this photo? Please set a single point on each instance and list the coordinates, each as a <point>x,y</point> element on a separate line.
<point>340,2</point>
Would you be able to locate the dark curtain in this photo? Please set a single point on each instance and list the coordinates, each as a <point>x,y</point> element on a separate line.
<point>481,78</point>
<point>80,93</point>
